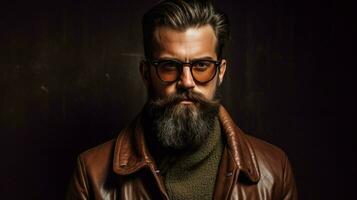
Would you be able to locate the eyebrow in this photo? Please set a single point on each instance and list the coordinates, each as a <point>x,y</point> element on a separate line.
<point>203,58</point>
<point>194,59</point>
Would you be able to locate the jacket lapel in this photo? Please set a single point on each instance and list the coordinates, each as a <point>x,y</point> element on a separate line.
<point>241,150</point>
<point>238,158</point>
<point>131,154</point>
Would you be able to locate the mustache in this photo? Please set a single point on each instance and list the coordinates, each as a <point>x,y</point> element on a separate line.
<point>176,98</point>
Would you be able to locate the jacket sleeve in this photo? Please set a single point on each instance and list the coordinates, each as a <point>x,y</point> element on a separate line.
<point>289,186</point>
<point>78,186</point>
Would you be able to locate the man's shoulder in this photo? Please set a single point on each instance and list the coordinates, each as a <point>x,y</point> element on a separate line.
<point>99,156</point>
<point>99,149</point>
<point>270,158</point>
<point>262,146</point>
<point>253,149</point>
<point>274,167</point>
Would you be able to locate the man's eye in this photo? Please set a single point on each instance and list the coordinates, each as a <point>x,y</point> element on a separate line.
<point>201,65</point>
<point>168,66</point>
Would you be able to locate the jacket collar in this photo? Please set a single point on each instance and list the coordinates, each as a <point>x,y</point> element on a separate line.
<point>131,153</point>
<point>239,147</point>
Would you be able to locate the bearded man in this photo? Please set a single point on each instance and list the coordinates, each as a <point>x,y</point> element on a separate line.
<point>184,144</point>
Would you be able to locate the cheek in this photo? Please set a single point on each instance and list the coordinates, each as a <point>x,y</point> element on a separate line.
<point>165,90</point>
<point>159,88</point>
<point>208,90</point>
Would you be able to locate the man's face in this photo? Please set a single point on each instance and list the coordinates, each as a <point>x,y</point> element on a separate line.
<point>190,44</point>
<point>181,114</point>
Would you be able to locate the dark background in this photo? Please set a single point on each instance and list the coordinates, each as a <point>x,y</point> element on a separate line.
<point>69,80</point>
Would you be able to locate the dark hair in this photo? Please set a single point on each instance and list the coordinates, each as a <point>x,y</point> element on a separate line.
<point>181,15</point>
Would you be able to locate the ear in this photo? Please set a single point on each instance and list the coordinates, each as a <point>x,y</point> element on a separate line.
<point>222,71</point>
<point>145,72</point>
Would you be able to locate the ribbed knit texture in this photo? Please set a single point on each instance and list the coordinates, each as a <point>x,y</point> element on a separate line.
<point>193,176</point>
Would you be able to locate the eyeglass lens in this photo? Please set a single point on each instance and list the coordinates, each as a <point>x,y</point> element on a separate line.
<point>202,71</point>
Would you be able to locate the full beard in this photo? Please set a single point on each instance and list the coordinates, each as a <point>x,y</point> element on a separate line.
<point>177,126</point>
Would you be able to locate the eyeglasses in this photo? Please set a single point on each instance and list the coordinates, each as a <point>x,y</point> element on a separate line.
<point>170,71</point>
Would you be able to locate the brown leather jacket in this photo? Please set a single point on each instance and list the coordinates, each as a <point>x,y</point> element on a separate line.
<point>123,169</point>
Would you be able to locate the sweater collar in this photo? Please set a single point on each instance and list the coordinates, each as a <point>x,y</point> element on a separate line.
<point>131,153</point>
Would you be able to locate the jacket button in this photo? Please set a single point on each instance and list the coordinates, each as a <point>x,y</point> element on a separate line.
<point>229,174</point>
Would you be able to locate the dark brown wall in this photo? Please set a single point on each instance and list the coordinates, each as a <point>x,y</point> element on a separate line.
<point>69,80</point>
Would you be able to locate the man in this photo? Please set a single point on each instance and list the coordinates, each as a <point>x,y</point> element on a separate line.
<point>183,145</point>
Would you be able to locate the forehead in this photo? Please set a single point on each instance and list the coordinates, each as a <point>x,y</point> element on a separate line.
<point>185,44</point>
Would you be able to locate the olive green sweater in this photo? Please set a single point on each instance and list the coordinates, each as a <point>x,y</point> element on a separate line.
<point>193,176</point>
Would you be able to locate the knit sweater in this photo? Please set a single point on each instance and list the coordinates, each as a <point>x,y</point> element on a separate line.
<point>193,176</point>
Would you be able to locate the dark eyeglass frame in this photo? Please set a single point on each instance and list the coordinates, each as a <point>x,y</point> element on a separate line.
<point>156,64</point>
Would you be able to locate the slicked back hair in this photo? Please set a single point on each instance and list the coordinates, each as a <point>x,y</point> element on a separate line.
<point>181,15</point>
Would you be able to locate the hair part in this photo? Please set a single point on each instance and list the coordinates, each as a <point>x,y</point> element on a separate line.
<point>181,15</point>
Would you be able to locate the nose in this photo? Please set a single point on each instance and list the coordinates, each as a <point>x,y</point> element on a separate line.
<point>186,80</point>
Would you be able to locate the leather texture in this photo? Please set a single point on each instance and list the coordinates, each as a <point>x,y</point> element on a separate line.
<point>124,169</point>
